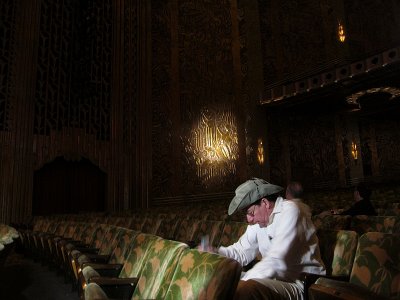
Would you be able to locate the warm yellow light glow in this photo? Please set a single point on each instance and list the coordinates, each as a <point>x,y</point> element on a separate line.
<point>260,152</point>
<point>354,150</point>
<point>341,33</point>
<point>214,144</point>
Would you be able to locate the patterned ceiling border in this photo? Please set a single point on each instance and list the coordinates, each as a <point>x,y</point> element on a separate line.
<point>354,98</point>
<point>280,92</point>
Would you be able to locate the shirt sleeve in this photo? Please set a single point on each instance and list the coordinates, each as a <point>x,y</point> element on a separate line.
<point>284,246</point>
<point>245,250</point>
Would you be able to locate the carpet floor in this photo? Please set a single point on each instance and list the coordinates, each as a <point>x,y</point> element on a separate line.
<point>21,279</point>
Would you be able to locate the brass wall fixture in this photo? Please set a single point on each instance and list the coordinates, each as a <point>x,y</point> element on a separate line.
<point>260,152</point>
<point>354,150</point>
<point>341,33</point>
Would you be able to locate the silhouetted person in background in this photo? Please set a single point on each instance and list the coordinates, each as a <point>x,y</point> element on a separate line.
<point>362,205</point>
<point>294,190</point>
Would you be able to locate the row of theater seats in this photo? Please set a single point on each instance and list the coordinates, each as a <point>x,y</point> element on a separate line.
<point>51,237</point>
<point>60,241</point>
<point>169,269</point>
<point>360,224</point>
<point>143,266</point>
<point>386,200</point>
<point>363,267</point>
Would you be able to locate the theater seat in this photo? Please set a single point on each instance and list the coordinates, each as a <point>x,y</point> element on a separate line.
<point>338,248</point>
<point>160,263</point>
<point>203,275</point>
<point>198,275</point>
<point>121,250</point>
<point>375,273</point>
<point>132,266</point>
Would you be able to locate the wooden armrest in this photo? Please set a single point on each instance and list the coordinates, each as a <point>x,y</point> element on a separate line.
<point>310,278</point>
<point>334,289</point>
<point>98,258</point>
<point>77,243</point>
<point>119,288</point>
<point>106,270</point>
<point>102,281</point>
<point>87,250</point>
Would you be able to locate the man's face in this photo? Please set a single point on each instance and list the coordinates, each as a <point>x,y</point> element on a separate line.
<point>259,213</point>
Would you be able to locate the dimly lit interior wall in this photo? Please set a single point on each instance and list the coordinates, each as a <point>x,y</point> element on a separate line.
<point>163,96</point>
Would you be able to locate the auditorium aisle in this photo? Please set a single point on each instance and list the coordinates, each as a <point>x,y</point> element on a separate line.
<point>21,279</point>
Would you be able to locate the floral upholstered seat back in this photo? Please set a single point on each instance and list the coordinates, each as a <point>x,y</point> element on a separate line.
<point>331,222</point>
<point>161,261</point>
<point>137,255</point>
<point>386,224</point>
<point>203,275</point>
<point>338,248</point>
<point>377,264</point>
<point>121,249</point>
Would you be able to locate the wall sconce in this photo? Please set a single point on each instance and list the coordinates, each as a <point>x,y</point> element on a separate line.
<point>341,33</point>
<point>260,152</point>
<point>354,150</point>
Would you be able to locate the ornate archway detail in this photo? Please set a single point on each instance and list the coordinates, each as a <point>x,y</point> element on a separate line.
<point>353,99</point>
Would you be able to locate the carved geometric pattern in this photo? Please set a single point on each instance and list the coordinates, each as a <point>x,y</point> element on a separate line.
<point>131,71</point>
<point>7,29</point>
<point>312,154</point>
<point>214,145</point>
<point>365,140</point>
<point>73,87</point>
<point>355,98</point>
<point>206,80</point>
<point>388,146</point>
<point>294,28</point>
<point>246,95</point>
<point>368,32</point>
<point>161,95</point>
<point>275,154</point>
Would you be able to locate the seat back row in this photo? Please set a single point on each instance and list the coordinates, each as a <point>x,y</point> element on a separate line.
<point>375,273</point>
<point>164,267</point>
<point>361,224</point>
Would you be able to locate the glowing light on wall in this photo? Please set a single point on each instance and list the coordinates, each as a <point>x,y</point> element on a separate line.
<point>214,144</point>
<point>260,152</point>
<point>354,150</point>
<point>341,33</point>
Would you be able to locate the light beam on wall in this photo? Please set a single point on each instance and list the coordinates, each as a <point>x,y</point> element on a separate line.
<point>214,144</point>
<point>354,150</point>
<point>341,33</point>
<point>260,152</point>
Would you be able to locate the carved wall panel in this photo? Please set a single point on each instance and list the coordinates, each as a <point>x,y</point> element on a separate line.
<point>388,146</point>
<point>206,80</point>
<point>163,105</point>
<point>71,70</point>
<point>312,150</point>
<point>73,87</point>
<point>276,131</point>
<point>131,73</point>
<point>372,25</point>
<point>7,55</point>
<point>192,94</point>
<point>303,148</point>
<point>367,141</point>
<point>291,31</point>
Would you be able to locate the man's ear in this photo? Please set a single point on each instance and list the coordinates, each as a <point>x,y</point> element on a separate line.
<point>266,202</point>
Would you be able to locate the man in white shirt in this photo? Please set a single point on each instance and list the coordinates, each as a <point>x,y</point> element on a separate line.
<point>282,232</point>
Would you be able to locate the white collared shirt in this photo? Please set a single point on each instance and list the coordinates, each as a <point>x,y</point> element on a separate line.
<point>288,245</point>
